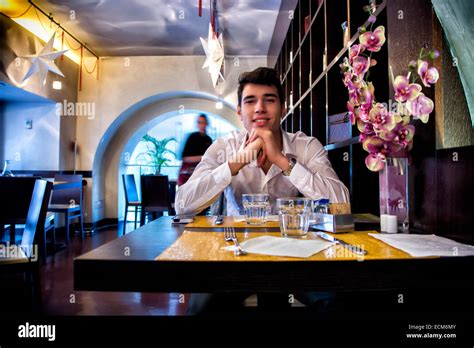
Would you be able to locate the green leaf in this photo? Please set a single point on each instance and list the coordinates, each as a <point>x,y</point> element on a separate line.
<point>156,150</point>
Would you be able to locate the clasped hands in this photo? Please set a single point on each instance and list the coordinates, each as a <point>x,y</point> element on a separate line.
<point>261,145</point>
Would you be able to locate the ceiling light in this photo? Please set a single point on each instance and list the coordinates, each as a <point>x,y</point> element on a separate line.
<point>57,85</point>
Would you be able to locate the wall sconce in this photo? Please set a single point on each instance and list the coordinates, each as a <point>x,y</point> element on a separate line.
<point>57,85</point>
<point>219,105</point>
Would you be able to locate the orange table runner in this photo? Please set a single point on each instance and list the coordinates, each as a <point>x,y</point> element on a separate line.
<point>207,246</point>
<point>208,221</point>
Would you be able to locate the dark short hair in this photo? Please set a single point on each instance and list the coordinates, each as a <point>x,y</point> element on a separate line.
<point>205,117</point>
<point>260,76</point>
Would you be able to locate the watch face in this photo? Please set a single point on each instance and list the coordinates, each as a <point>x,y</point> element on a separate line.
<point>291,164</point>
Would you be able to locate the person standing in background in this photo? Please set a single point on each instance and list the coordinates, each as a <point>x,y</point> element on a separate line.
<point>196,145</point>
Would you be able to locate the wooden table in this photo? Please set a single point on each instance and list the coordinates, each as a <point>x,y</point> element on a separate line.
<point>152,258</point>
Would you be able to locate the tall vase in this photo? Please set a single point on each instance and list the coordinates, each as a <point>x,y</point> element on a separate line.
<point>393,181</point>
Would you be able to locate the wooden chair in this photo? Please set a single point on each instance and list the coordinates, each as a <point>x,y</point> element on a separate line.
<point>67,200</point>
<point>131,198</point>
<point>15,193</point>
<point>155,196</point>
<point>23,258</point>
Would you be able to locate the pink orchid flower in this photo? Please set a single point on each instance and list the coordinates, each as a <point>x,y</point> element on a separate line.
<point>353,93</point>
<point>405,90</point>
<point>375,161</point>
<point>360,65</point>
<point>373,41</point>
<point>428,76</point>
<point>365,99</point>
<point>365,127</point>
<point>348,80</point>
<point>352,112</point>
<point>402,135</point>
<point>381,118</point>
<point>420,107</point>
<point>376,144</point>
<point>355,51</point>
<point>378,150</point>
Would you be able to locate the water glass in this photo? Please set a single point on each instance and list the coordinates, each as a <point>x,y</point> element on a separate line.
<point>294,214</point>
<point>256,206</point>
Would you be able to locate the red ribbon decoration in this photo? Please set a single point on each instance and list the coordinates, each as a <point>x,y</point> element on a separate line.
<point>212,15</point>
<point>62,44</point>
<point>200,8</point>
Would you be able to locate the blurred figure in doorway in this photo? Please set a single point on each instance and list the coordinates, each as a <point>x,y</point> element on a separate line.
<point>196,145</point>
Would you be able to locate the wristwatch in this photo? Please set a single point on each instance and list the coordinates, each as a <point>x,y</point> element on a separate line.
<point>291,165</point>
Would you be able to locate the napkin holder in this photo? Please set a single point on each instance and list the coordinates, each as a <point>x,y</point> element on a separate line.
<point>335,223</point>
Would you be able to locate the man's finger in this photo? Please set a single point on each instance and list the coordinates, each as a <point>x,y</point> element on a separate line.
<point>253,138</point>
<point>262,159</point>
<point>250,137</point>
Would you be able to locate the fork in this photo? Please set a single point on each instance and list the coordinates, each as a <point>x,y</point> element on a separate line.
<point>229,236</point>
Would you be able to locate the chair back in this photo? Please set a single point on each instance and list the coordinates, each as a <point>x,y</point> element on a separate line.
<point>15,197</point>
<point>68,195</point>
<point>35,219</point>
<point>130,188</point>
<point>155,193</point>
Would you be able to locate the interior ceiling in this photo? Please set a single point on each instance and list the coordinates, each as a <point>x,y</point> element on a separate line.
<point>157,27</point>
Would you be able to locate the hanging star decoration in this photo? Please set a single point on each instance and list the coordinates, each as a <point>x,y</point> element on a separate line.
<point>43,62</point>
<point>214,49</point>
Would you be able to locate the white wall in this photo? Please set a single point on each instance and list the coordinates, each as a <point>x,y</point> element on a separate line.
<point>36,148</point>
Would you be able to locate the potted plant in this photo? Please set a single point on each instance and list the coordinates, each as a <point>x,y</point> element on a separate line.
<point>156,152</point>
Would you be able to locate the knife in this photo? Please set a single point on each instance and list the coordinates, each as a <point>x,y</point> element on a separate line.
<point>219,220</point>
<point>355,249</point>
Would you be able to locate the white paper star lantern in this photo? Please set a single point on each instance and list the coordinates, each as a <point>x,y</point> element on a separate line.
<point>214,49</point>
<point>43,62</point>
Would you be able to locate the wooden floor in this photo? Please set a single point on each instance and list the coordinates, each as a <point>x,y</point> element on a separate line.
<point>59,297</point>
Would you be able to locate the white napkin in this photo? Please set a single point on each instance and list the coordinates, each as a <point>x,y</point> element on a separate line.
<point>420,245</point>
<point>241,218</point>
<point>279,246</point>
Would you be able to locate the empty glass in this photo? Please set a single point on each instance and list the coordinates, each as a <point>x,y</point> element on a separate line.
<point>294,214</point>
<point>256,206</point>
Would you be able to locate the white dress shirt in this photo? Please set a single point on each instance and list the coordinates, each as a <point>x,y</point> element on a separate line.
<point>312,176</point>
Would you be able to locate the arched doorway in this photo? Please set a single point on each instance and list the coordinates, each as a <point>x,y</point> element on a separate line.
<point>173,124</point>
<point>127,125</point>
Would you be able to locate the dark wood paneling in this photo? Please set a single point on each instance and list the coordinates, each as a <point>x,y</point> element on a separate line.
<point>403,19</point>
<point>455,191</point>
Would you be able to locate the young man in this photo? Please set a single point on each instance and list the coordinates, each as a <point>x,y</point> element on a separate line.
<point>262,158</point>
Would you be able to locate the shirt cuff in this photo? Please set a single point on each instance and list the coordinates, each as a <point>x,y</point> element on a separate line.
<point>298,175</point>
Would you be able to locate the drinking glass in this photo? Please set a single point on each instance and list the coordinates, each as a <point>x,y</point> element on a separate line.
<point>256,206</point>
<point>294,214</point>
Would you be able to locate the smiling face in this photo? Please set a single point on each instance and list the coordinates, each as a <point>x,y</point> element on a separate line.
<point>260,107</point>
